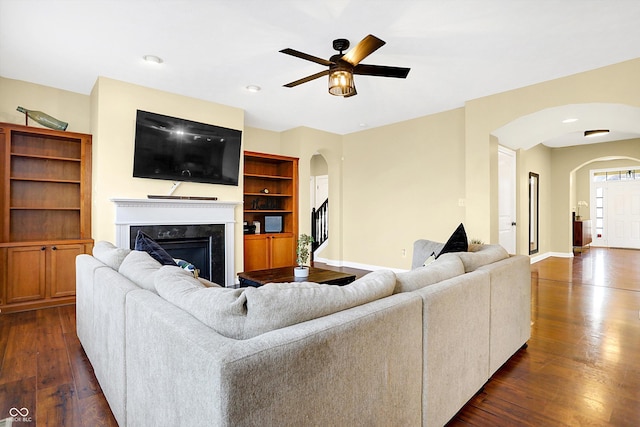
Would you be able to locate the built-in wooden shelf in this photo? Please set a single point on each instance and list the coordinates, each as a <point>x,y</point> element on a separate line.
<point>45,214</point>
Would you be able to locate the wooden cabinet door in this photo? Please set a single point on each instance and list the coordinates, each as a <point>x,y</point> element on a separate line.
<point>26,278</point>
<point>62,269</point>
<point>282,250</point>
<point>256,252</point>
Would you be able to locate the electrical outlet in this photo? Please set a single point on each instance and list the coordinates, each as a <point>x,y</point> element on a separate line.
<point>404,253</point>
<point>461,203</point>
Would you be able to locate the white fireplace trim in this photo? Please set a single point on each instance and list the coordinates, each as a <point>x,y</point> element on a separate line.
<point>178,212</point>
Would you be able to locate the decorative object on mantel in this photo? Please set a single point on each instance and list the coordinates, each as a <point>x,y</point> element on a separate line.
<point>43,118</point>
<point>154,196</point>
<point>581,203</point>
<point>302,251</point>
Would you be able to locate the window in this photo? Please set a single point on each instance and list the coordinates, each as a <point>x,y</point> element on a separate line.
<point>599,212</point>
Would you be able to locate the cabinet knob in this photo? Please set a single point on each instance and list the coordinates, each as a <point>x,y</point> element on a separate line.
<point>43,248</point>
<point>54,248</point>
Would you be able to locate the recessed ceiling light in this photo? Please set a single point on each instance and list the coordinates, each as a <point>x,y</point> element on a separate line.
<point>595,132</point>
<point>152,58</point>
<point>253,88</point>
<point>571,120</point>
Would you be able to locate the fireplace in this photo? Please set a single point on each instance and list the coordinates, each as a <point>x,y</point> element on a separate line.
<point>201,232</point>
<point>199,244</point>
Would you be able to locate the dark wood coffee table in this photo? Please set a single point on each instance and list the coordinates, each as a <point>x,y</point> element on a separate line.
<point>285,274</point>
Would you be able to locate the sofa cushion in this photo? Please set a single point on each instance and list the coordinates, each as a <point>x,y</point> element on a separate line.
<point>140,268</point>
<point>147,244</point>
<point>109,254</point>
<point>248,312</point>
<point>423,249</point>
<point>222,309</point>
<point>208,283</point>
<point>479,255</point>
<point>277,305</point>
<point>443,268</point>
<point>457,242</point>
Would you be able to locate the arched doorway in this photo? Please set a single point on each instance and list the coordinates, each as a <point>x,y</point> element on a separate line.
<point>319,198</point>
<point>606,192</point>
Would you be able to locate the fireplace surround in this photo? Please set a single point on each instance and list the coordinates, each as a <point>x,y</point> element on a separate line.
<point>200,222</point>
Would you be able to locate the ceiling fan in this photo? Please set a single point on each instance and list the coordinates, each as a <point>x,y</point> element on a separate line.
<point>342,67</point>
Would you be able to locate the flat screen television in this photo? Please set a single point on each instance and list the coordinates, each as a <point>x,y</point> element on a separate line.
<point>183,150</point>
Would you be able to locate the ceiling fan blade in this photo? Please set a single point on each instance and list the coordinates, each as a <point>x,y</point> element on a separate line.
<point>306,56</point>
<point>366,47</point>
<point>308,78</point>
<point>381,70</point>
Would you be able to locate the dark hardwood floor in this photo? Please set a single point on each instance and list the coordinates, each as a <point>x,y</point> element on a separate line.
<point>582,365</point>
<point>581,368</point>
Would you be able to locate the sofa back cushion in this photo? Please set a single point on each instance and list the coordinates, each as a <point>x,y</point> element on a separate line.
<point>222,309</point>
<point>479,255</point>
<point>109,254</point>
<point>445,267</point>
<point>141,269</point>
<point>248,312</point>
<point>277,305</point>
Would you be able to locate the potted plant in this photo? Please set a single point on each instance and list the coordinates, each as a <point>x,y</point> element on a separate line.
<point>302,252</point>
<point>581,204</point>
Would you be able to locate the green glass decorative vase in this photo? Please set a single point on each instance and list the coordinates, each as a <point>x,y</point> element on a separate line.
<point>44,119</point>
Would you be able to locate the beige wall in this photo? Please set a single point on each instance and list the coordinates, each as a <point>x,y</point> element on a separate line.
<point>69,107</point>
<point>616,84</point>
<point>319,166</point>
<point>262,141</point>
<point>402,182</point>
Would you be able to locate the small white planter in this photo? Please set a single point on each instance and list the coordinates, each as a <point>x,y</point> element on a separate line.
<point>301,272</point>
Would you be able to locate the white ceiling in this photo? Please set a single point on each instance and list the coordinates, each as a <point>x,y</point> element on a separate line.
<point>457,50</point>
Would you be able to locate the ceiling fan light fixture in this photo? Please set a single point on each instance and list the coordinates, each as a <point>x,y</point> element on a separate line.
<point>341,83</point>
<point>595,132</point>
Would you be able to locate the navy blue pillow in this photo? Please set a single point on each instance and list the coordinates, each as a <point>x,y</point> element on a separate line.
<point>147,244</point>
<point>457,242</point>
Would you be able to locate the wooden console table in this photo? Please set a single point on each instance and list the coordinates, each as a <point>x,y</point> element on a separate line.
<point>285,274</point>
<point>581,233</point>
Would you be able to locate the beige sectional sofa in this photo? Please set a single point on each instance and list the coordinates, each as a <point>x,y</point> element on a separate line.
<point>389,349</point>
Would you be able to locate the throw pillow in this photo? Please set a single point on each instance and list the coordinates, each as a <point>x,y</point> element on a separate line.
<point>147,244</point>
<point>185,265</point>
<point>429,260</point>
<point>457,242</point>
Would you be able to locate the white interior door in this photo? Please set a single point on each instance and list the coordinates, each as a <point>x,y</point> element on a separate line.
<point>623,214</point>
<point>507,199</point>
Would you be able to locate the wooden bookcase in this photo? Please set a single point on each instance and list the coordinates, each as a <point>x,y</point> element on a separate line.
<point>270,190</point>
<point>45,214</point>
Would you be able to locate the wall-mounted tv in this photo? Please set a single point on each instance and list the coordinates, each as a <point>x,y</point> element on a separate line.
<point>183,150</point>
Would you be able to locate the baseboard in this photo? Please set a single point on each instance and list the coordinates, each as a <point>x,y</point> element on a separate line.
<point>546,255</point>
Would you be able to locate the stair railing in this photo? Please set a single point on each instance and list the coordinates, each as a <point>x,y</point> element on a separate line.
<point>319,225</point>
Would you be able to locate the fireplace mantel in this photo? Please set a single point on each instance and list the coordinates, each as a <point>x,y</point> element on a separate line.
<point>178,212</point>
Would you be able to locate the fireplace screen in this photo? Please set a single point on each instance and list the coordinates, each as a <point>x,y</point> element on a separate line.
<point>202,245</point>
